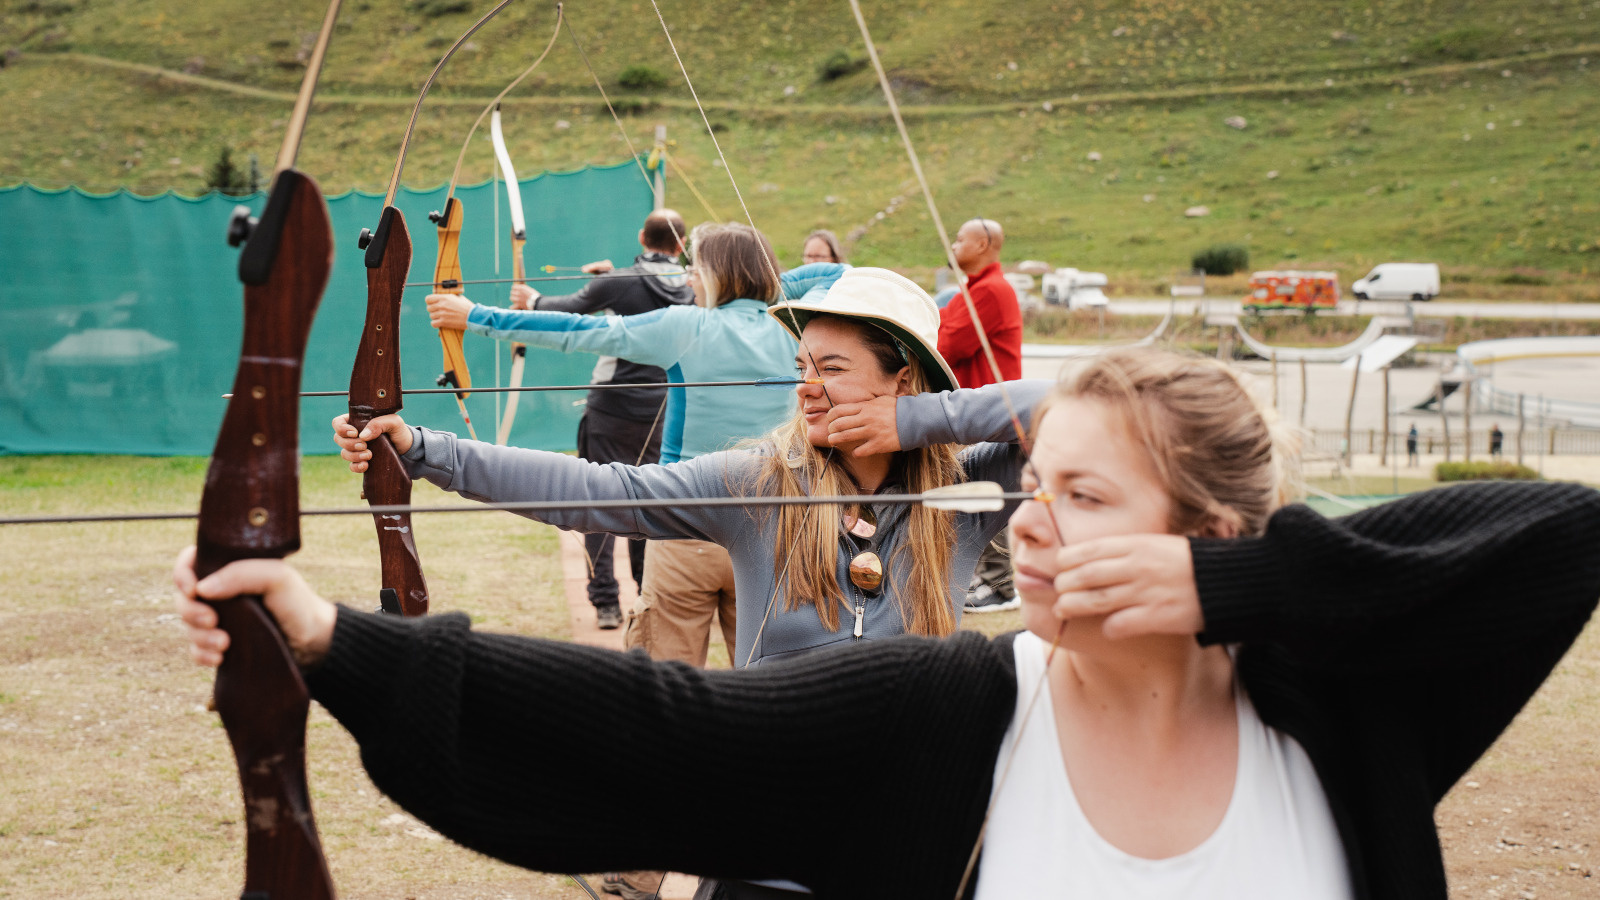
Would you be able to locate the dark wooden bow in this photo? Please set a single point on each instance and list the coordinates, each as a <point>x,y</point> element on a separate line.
<point>250,509</point>
<point>375,391</point>
<point>375,378</point>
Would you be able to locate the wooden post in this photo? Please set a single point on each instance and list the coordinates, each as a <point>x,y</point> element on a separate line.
<point>661,169</point>
<point>1383,452</point>
<point>1444,420</point>
<point>1466,418</point>
<point>1350,411</point>
<point>1275,380</point>
<point>1541,442</point>
<point>1520,423</point>
<point>1302,392</point>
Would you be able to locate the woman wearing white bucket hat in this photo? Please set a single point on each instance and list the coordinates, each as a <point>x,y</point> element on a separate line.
<point>892,569</point>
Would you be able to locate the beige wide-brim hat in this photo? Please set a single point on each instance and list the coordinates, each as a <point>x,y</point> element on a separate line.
<point>886,299</point>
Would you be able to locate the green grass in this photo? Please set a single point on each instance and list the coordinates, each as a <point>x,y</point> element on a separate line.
<point>1395,160</point>
<point>114,781</point>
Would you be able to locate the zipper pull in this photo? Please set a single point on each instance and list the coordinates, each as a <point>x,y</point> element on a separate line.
<point>861,612</point>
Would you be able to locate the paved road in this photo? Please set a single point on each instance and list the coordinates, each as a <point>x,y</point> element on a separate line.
<point>1438,309</point>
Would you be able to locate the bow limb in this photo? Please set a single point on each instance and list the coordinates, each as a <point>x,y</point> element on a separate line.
<point>519,351</point>
<point>447,272</point>
<point>519,271</point>
<point>375,391</point>
<point>250,508</point>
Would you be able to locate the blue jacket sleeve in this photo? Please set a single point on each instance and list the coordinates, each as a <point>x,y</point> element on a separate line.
<point>810,278</point>
<point>658,338</point>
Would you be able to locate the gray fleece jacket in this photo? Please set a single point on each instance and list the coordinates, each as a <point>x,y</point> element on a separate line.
<point>489,473</point>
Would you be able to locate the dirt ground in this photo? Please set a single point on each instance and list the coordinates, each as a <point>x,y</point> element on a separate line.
<point>116,783</point>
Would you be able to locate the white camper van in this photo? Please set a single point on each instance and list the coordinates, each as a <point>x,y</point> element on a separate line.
<point>1074,289</point>
<point>1398,281</point>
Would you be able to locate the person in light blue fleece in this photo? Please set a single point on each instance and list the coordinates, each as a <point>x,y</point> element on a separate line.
<point>725,336</point>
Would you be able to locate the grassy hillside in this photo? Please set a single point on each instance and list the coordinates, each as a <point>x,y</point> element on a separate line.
<point>1408,129</point>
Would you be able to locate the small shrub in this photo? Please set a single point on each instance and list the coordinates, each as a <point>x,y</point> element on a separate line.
<point>436,8</point>
<point>1483,471</point>
<point>226,177</point>
<point>1523,278</point>
<point>839,64</point>
<point>1464,44</point>
<point>640,77</point>
<point>1222,259</point>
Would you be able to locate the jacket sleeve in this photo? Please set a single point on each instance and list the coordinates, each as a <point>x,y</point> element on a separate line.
<point>492,474</point>
<point>968,415</point>
<point>657,338</point>
<point>591,298</point>
<point>1452,604</point>
<point>811,277</point>
<point>490,739</point>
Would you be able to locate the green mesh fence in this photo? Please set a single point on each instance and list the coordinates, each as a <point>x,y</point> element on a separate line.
<point>121,316</point>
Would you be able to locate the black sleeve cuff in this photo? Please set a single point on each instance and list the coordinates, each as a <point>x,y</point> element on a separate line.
<point>1241,585</point>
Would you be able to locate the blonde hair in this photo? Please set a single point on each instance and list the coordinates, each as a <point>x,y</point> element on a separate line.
<point>807,537</point>
<point>1222,458</point>
<point>734,262</point>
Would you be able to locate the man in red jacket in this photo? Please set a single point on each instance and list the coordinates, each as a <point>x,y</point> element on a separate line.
<point>977,251</point>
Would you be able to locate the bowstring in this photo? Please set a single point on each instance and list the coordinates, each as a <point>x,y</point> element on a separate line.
<point>783,572</point>
<point>632,151</point>
<point>1005,395</point>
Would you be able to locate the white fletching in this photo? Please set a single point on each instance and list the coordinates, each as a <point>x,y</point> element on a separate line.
<point>971,497</point>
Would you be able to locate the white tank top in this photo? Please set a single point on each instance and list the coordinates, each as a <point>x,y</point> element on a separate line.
<point>1277,838</point>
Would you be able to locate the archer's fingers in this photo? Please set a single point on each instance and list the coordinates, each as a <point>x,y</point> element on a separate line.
<point>1096,602</point>
<point>183,572</point>
<point>838,436</point>
<point>1082,552</point>
<point>1096,574</point>
<point>1134,621</point>
<point>875,445</point>
<point>206,646</point>
<point>840,411</point>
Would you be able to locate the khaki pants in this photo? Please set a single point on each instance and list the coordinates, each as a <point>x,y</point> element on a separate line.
<point>685,584</point>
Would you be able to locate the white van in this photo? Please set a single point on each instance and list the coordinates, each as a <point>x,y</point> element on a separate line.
<point>1399,281</point>
<point>1074,289</point>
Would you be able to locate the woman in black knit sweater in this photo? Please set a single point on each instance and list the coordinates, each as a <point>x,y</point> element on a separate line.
<point>1214,696</point>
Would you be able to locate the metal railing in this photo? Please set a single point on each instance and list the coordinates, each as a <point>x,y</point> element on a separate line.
<point>1550,441</point>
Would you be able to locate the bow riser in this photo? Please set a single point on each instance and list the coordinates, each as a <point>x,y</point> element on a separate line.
<point>250,509</point>
<point>448,272</point>
<point>375,391</point>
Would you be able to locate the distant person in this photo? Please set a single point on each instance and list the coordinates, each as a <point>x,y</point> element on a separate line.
<point>622,426</point>
<point>977,252</point>
<point>1497,441</point>
<point>822,245</point>
<point>1412,460</point>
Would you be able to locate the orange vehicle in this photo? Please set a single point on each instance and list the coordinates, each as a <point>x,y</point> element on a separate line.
<point>1309,291</point>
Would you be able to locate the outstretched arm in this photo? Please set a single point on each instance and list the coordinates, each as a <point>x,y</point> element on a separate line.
<point>494,474</point>
<point>656,338</point>
<point>472,733</point>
